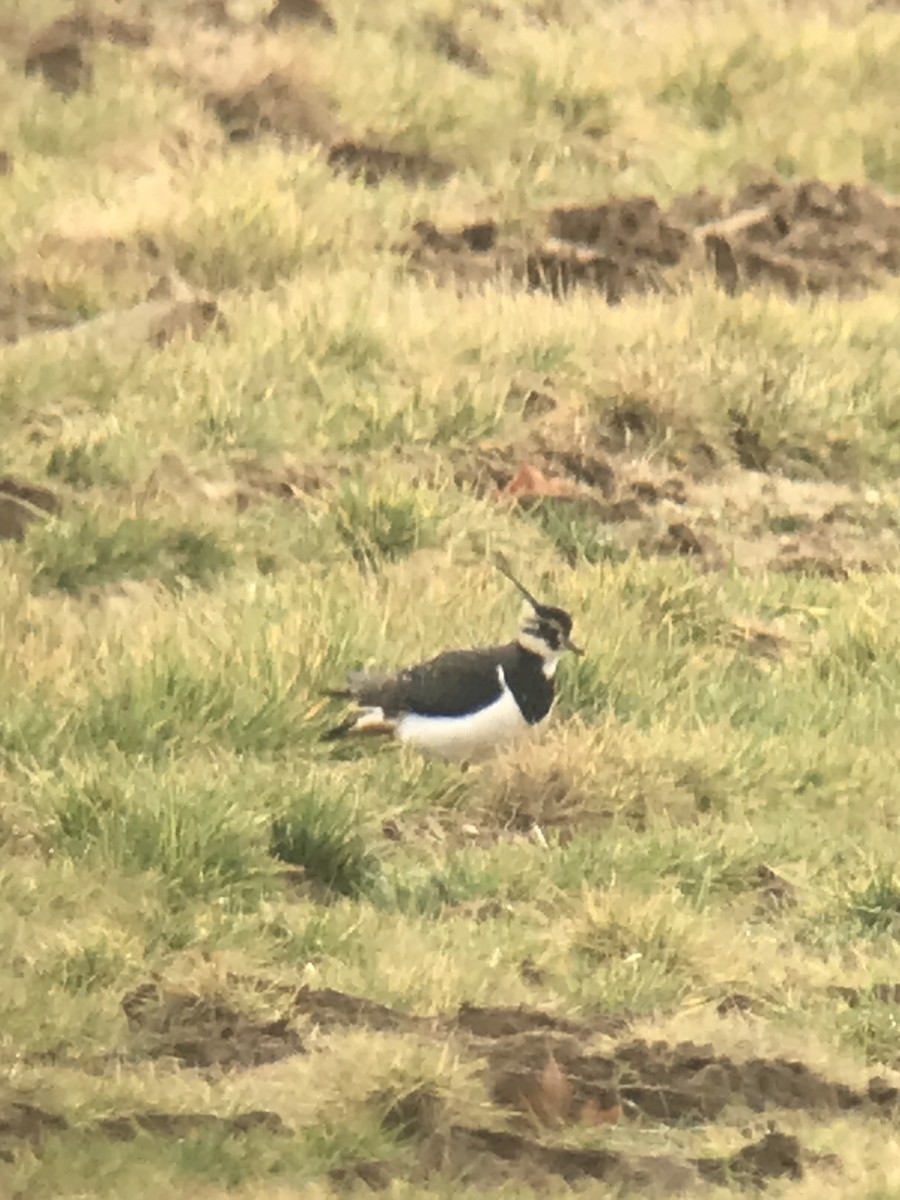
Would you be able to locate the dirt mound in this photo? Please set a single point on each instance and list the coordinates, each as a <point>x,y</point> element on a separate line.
<point>329,1008</point>
<point>446,42</point>
<point>279,105</point>
<point>512,1022</point>
<point>204,1031</point>
<point>25,1122</point>
<point>59,53</point>
<point>187,1124</point>
<point>809,237</point>
<point>795,237</point>
<point>274,104</point>
<point>373,163</point>
<point>300,12</point>
<point>27,306</point>
<point>558,450</point>
<point>22,503</point>
<point>773,891</point>
<point>539,1072</point>
<point>646,476</point>
<point>882,993</point>
<point>772,1157</point>
<point>618,248</point>
<point>667,1083</point>
<point>490,1157</point>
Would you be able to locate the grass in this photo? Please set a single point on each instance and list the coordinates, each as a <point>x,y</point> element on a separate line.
<point>326,843</point>
<point>252,509</point>
<point>73,556</point>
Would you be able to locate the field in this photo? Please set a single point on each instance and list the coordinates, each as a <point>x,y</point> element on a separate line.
<point>307,312</point>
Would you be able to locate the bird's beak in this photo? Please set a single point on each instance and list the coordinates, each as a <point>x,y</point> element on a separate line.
<point>570,645</point>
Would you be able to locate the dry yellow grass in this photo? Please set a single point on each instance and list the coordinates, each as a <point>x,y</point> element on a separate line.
<point>255,418</point>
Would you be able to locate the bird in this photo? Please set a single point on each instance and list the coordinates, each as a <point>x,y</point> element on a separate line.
<point>463,704</point>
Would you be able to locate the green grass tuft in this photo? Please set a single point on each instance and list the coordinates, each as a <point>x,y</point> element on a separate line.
<point>70,556</point>
<point>323,837</point>
<point>201,842</point>
<point>875,908</point>
<point>380,528</point>
<point>82,466</point>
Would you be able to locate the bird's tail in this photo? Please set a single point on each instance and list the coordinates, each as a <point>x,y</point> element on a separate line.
<point>371,720</point>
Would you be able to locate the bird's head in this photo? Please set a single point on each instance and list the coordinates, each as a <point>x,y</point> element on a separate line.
<point>546,630</point>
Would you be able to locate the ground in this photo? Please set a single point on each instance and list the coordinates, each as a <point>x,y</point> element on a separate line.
<point>307,312</point>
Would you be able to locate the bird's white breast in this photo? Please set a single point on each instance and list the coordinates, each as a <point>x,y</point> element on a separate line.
<point>467,736</point>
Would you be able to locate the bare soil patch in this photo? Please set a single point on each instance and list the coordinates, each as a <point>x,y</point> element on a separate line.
<point>27,306</point>
<point>485,1155</point>
<point>59,56</point>
<point>33,494</point>
<point>800,238</point>
<point>171,306</point>
<point>639,477</point>
<point>541,1074</point>
<point>662,1082</point>
<point>204,1031</point>
<point>21,504</point>
<point>188,1124</point>
<point>277,104</point>
<point>300,12</point>
<point>665,1082</point>
<point>373,163</point>
<point>511,1022</point>
<point>774,1156</point>
<point>446,42</point>
<point>27,1123</point>
<point>643,476</point>
<point>490,1157</point>
<point>329,1009</point>
<point>59,53</point>
<point>273,104</point>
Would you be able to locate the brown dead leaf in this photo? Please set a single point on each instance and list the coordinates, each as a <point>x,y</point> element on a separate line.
<point>549,1094</point>
<point>592,1114</point>
<point>529,481</point>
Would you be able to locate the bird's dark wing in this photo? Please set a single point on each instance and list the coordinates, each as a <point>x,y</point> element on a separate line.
<point>454,683</point>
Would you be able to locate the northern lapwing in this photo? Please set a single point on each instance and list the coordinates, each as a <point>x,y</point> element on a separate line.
<point>464,703</point>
